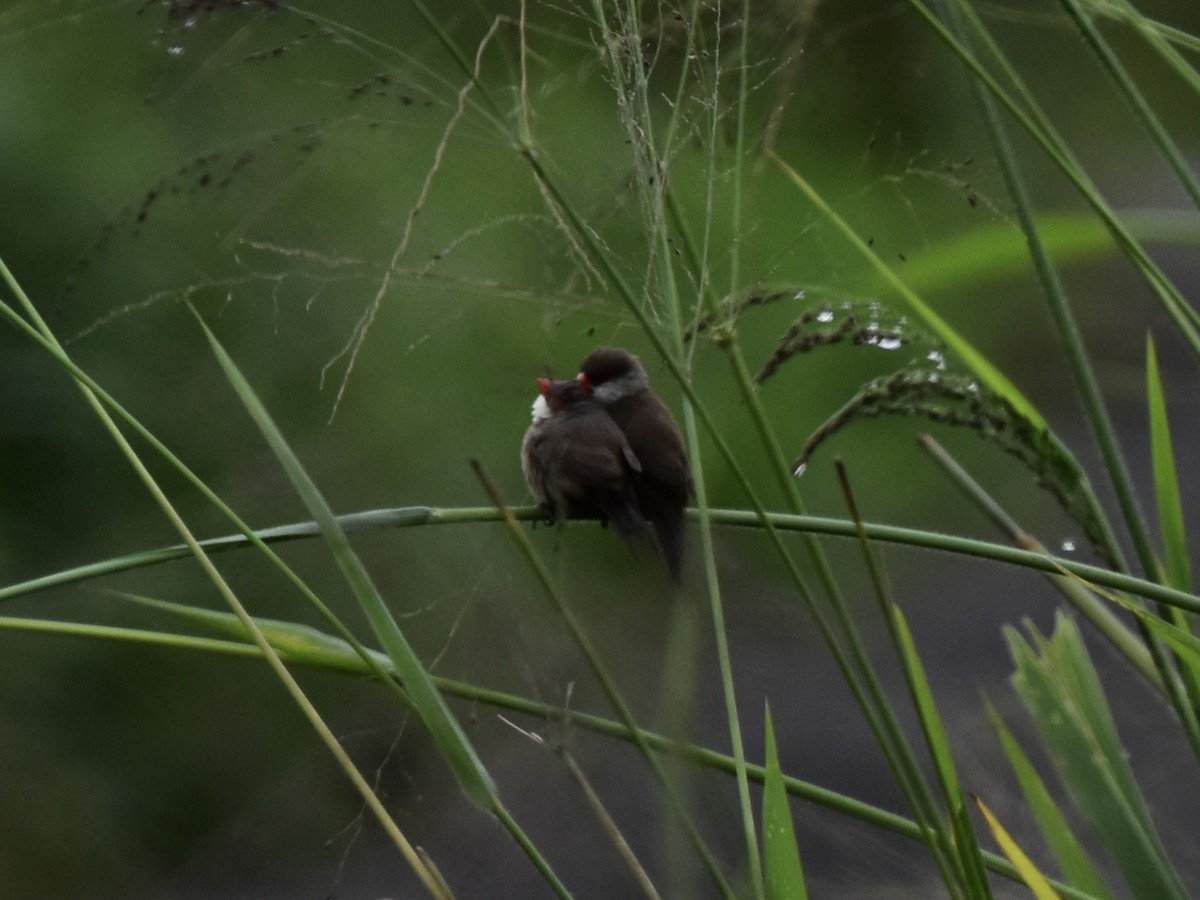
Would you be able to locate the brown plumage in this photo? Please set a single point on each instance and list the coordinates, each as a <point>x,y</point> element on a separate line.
<point>578,463</point>
<point>617,380</point>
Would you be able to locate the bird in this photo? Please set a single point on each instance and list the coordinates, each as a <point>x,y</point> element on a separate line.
<point>617,380</point>
<point>577,462</point>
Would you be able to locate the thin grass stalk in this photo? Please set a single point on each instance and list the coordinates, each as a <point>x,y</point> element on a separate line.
<point>862,676</point>
<point>736,518</point>
<point>431,882</point>
<point>1069,334</point>
<point>1038,128</point>
<point>651,177</point>
<point>872,699</point>
<point>940,841</point>
<point>348,663</point>
<point>609,825</point>
<point>726,339</point>
<point>1124,641</point>
<point>1160,37</point>
<point>743,58</point>
<point>879,729</point>
<point>1089,390</point>
<point>716,606</point>
<point>692,400</point>
<point>247,537</point>
<point>431,707</point>
<point>710,567</point>
<point>609,687</point>
<point>682,678</point>
<point>681,658</point>
<point>1134,97</point>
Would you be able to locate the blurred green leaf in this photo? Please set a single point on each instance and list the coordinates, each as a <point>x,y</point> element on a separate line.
<point>1060,688</point>
<point>1072,858</point>
<point>964,261</point>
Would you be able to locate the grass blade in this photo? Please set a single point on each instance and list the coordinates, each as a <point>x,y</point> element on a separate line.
<point>1076,865</point>
<point>101,407</point>
<point>1134,97</point>
<point>781,854</point>
<point>970,862</point>
<point>1037,560</point>
<point>429,704</point>
<point>1170,511</point>
<point>1062,692</point>
<point>996,380</point>
<point>1033,877</point>
<point>349,662</point>
<point>1166,481</point>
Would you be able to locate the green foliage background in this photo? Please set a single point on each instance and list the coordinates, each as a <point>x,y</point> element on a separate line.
<point>263,164</point>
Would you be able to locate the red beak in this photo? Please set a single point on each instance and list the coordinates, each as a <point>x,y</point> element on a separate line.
<point>544,386</point>
<point>585,382</point>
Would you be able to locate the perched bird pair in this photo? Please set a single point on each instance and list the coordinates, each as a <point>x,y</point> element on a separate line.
<point>603,445</point>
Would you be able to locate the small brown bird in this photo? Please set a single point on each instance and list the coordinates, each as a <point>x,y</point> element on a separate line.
<point>618,382</point>
<point>578,463</point>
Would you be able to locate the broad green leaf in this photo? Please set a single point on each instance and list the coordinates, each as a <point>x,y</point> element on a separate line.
<point>781,853</point>
<point>1058,685</point>
<point>960,263</point>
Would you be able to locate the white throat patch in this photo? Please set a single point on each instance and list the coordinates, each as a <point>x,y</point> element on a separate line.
<point>614,390</point>
<point>541,410</point>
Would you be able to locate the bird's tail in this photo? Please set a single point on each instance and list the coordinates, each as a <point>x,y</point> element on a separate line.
<point>669,531</point>
<point>625,517</point>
